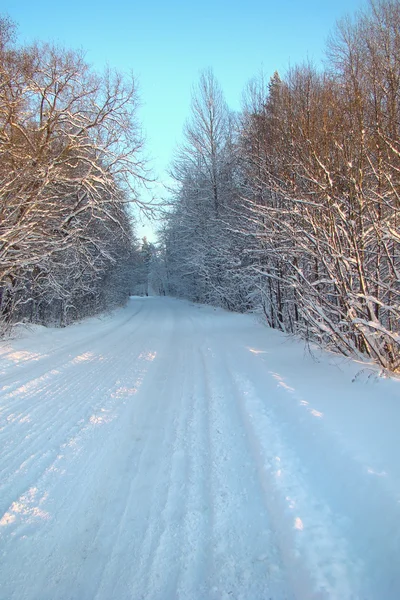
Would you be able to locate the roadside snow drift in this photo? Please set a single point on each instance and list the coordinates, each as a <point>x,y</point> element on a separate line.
<point>173,451</point>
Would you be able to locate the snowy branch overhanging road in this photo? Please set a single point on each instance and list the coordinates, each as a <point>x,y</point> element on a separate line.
<point>175,451</point>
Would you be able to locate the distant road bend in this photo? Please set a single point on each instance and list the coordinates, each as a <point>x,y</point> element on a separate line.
<point>178,452</point>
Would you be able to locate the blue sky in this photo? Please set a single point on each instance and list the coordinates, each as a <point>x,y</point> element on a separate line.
<point>166,44</point>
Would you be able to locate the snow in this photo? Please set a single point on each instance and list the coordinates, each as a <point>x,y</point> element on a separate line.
<point>175,451</point>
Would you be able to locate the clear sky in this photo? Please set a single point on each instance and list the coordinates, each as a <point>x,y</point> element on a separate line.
<point>167,43</point>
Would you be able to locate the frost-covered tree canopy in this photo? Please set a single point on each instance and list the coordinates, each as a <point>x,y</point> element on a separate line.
<point>70,162</point>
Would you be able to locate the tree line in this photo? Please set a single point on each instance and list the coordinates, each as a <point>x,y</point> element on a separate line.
<point>292,206</point>
<point>71,163</point>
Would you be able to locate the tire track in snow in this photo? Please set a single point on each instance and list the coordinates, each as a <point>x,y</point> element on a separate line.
<point>343,512</point>
<point>26,387</point>
<point>119,543</point>
<point>119,546</point>
<point>194,581</point>
<point>72,509</point>
<point>317,559</point>
<point>158,569</point>
<point>164,540</point>
<point>23,454</point>
<point>146,476</point>
<point>59,410</point>
<point>324,566</point>
<point>48,360</point>
<point>246,563</point>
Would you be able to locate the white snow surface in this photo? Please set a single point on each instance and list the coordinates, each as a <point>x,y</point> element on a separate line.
<point>174,451</point>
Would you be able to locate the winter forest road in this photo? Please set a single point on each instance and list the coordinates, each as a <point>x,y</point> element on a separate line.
<point>173,451</point>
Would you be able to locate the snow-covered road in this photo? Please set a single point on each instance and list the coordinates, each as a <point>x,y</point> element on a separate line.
<point>173,451</point>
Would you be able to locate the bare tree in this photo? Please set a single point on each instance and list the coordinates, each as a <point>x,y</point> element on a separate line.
<point>70,161</point>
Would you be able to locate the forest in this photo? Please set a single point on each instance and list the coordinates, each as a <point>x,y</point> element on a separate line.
<point>290,207</point>
<point>71,164</point>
